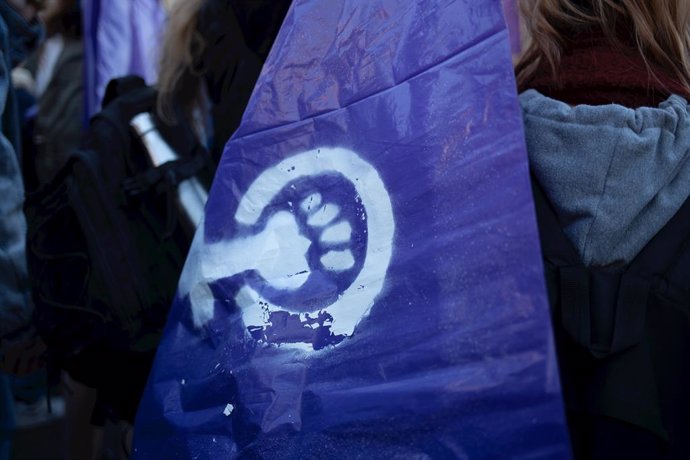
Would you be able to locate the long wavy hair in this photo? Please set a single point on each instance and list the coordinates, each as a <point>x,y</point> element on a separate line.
<point>658,29</point>
<point>179,79</point>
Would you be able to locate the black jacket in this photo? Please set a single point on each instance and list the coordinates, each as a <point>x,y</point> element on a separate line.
<point>623,342</point>
<point>238,36</point>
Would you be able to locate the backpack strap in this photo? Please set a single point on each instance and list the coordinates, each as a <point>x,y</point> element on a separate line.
<point>164,179</point>
<point>170,173</point>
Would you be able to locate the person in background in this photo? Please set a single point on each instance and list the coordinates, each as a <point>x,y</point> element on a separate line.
<point>604,96</point>
<point>57,68</point>
<point>212,54</point>
<point>19,350</point>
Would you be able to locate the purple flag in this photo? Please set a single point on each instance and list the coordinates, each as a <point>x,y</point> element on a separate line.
<point>367,280</point>
<point>121,38</point>
<point>512,13</point>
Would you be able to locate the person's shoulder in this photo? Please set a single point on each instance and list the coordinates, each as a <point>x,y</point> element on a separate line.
<point>673,114</point>
<point>536,104</point>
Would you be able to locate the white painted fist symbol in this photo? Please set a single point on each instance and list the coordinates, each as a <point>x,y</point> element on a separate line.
<point>278,252</point>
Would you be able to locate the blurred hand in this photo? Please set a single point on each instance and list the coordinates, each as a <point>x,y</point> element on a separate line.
<point>22,357</point>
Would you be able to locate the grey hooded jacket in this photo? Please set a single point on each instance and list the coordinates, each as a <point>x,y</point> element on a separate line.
<point>614,175</point>
<point>16,38</point>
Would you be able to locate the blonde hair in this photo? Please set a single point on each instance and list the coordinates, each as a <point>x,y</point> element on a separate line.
<point>179,81</point>
<point>657,28</point>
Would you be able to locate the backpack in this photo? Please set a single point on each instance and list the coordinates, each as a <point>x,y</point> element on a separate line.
<point>106,244</point>
<point>623,341</point>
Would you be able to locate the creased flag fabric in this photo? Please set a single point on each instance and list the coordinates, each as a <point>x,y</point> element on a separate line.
<point>122,37</point>
<point>367,280</point>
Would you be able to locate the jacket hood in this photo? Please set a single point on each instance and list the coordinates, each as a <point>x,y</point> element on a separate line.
<point>614,175</point>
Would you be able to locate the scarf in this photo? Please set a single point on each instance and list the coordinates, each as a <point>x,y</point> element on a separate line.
<point>594,71</point>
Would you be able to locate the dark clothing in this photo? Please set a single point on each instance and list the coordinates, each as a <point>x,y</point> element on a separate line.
<point>58,126</point>
<point>612,194</point>
<point>16,36</point>
<point>18,39</point>
<point>623,341</point>
<point>107,246</point>
<point>239,35</point>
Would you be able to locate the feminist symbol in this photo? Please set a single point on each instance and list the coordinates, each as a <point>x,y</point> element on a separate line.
<point>277,248</point>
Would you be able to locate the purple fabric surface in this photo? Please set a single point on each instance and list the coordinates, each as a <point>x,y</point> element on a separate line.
<point>121,38</point>
<point>367,282</point>
<point>512,13</point>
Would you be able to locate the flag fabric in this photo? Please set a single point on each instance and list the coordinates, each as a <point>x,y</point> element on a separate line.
<point>367,280</point>
<point>121,38</point>
<point>512,12</point>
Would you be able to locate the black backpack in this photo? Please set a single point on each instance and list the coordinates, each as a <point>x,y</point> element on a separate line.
<point>105,243</point>
<point>623,342</point>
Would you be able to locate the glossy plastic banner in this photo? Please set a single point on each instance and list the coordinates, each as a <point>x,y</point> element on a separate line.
<point>367,281</point>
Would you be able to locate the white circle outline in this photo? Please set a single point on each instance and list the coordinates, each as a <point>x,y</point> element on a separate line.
<point>356,301</point>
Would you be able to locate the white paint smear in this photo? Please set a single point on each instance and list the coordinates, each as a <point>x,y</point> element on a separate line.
<point>311,204</point>
<point>324,215</point>
<point>338,233</point>
<point>338,260</point>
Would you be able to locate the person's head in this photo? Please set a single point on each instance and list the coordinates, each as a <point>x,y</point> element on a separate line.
<point>658,29</point>
<point>178,80</point>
